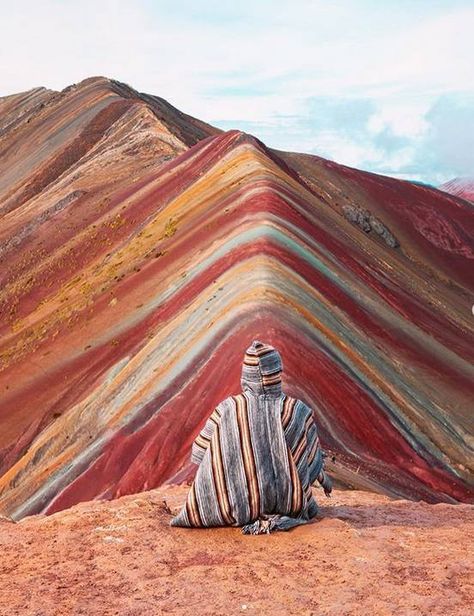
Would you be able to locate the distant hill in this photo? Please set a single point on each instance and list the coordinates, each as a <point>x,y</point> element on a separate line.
<point>460,187</point>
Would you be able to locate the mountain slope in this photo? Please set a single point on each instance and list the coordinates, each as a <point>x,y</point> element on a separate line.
<point>131,325</point>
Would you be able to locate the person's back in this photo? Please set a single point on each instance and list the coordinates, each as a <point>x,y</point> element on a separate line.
<point>258,453</point>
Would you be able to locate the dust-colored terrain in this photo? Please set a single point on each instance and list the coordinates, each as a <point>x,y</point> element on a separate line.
<point>366,554</point>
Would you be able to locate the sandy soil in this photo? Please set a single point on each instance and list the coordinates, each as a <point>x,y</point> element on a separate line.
<point>366,554</point>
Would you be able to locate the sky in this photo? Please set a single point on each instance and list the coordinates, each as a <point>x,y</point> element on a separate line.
<point>386,86</point>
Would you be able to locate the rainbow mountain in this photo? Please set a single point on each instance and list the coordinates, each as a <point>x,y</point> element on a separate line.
<point>142,249</point>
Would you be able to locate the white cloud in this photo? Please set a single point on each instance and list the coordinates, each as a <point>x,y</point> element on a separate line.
<point>403,118</point>
<point>399,54</point>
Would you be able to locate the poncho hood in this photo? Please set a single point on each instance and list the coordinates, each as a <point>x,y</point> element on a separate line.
<point>261,370</point>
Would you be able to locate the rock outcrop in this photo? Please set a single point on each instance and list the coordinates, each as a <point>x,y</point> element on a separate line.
<point>368,222</point>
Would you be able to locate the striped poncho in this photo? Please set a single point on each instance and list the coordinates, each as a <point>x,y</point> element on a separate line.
<point>258,455</point>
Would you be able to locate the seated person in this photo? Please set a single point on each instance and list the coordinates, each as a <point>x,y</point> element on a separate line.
<point>258,456</point>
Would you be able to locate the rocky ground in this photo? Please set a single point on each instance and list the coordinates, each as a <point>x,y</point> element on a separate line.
<point>366,554</point>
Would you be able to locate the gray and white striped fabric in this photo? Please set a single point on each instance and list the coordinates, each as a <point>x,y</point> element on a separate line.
<point>258,455</point>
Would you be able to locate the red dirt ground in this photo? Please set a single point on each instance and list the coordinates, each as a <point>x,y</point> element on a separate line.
<point>365,554</point>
